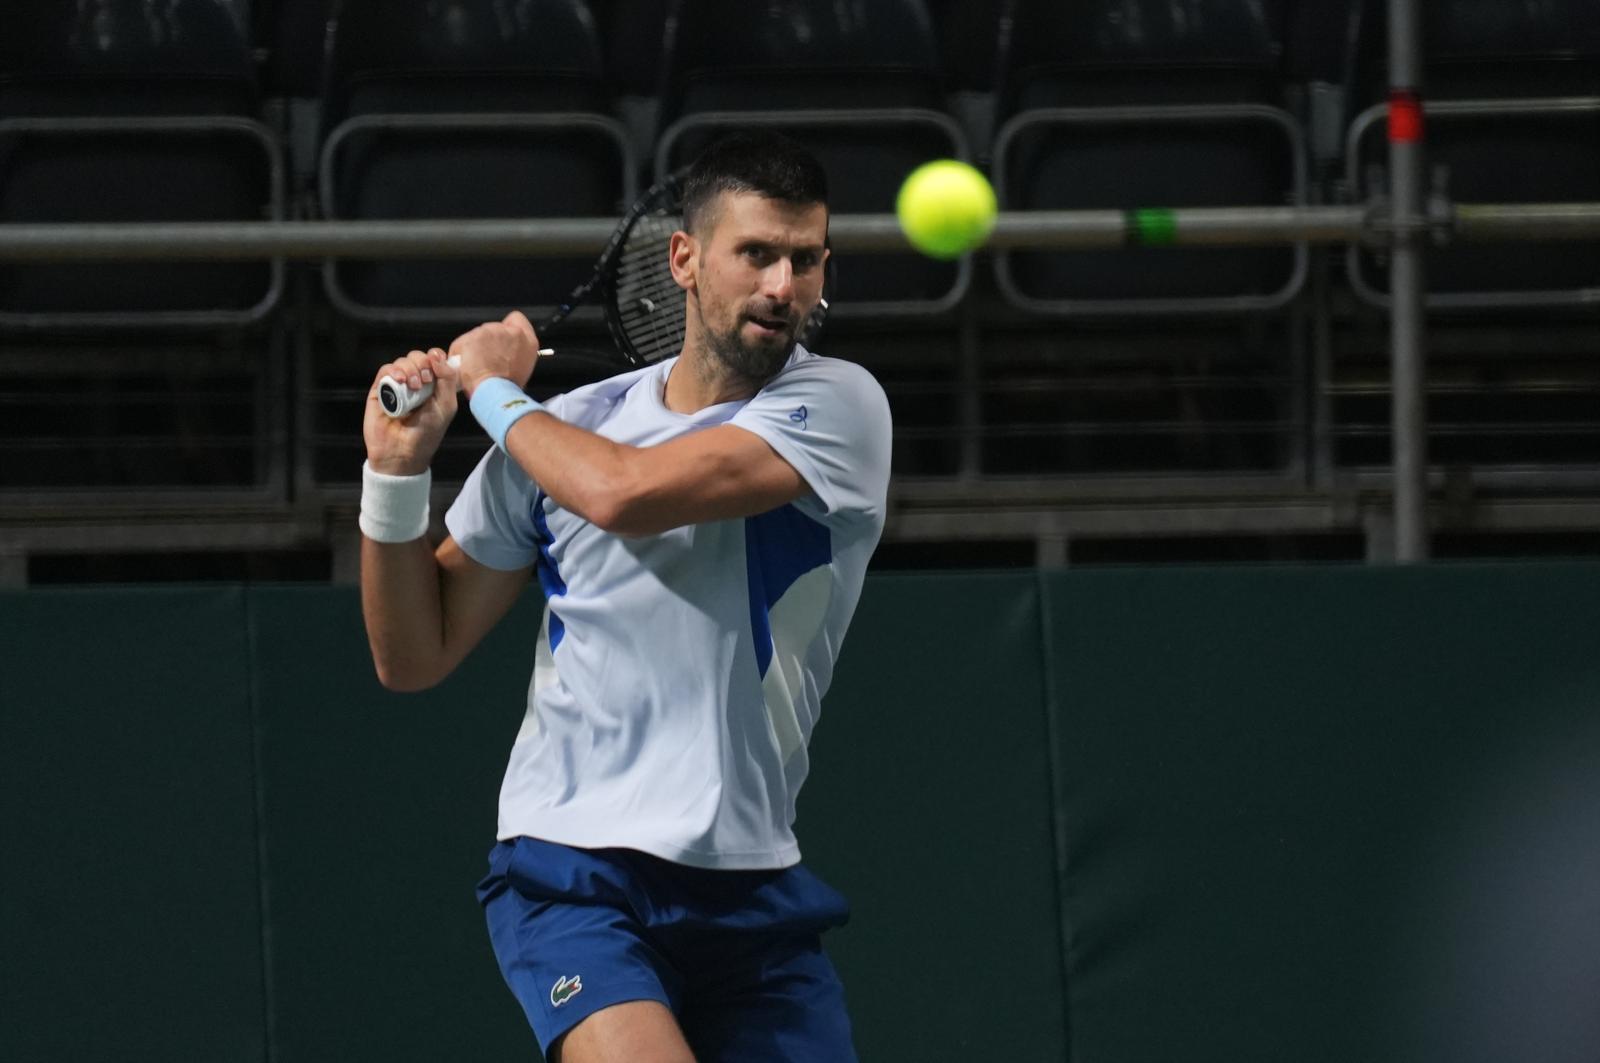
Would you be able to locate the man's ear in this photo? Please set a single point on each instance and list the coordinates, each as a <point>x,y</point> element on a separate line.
<point>684,256</point>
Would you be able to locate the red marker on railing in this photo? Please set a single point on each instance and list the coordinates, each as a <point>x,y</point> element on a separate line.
<point>1405,116</point>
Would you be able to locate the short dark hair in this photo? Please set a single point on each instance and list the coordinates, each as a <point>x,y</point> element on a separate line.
<point>766,163</point>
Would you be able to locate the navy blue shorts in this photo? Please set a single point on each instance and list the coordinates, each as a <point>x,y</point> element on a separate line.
<point>736,955</point>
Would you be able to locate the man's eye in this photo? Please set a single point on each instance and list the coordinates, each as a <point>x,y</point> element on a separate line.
<point>756,254</point>
<point>805,262</point>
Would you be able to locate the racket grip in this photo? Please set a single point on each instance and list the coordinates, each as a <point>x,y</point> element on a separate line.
<point>397,398</point>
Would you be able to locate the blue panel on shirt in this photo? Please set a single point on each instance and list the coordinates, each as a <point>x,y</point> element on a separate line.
<point>780,546</point>
<point>550,580</point>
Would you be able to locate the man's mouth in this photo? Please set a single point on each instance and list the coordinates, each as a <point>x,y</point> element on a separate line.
<point>769,325</point>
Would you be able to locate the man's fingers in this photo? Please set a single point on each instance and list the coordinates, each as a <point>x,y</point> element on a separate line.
<point>421,369</point>
<point>414,370</point>
<point>518,320</point>
<point>460,341</point>
<point>443,370</point>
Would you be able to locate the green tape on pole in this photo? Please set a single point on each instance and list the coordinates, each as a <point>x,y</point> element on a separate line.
<point>1152,225</point>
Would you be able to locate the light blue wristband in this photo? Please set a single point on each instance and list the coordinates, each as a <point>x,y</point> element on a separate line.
<point>498,404</point>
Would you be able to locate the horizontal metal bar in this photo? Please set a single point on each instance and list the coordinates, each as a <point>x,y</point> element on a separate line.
<point>309,239</point>
<point>1274,517</point>
<point>1527,221</point>
<point>43,526</point>
<point>871,233</point>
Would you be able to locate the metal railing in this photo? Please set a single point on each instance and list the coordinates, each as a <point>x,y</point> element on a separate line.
<point>1370,225</point>
<point>1403,222</point>
<point>864,233</point>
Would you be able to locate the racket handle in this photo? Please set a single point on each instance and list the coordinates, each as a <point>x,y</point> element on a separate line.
<point>397,398</point>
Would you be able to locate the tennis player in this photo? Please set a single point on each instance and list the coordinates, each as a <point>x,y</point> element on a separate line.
<point>700,528</point>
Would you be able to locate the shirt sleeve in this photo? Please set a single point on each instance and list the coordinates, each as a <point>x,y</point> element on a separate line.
<point>492,518</point>
<point>830,420</point>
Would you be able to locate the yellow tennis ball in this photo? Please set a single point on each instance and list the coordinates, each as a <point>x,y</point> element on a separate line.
<point>946,208</point>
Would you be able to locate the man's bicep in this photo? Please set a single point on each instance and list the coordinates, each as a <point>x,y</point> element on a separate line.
<point>832,422</point>
<point>473,598</point>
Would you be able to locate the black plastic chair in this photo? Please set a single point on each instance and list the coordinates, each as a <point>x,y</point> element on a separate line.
<point>294,36</point>
<point>118,111</point>
<point>858,82</point>
<point>1512,103</point>
<point>633,34</point>
<point>969,41</point>
<point>1146,104</point>
<point>466,109</point>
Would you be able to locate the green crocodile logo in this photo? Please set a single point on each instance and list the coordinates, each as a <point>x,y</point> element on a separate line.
<point>565,989</point>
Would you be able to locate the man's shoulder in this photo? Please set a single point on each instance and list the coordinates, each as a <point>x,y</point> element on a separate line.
<point>591,404</point>
<point>809,368</point>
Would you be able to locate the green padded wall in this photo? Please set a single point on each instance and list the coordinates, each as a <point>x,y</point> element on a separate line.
<point>929,806</point>
<point>1330,814</point>
<point>1181,814</point>
<point>380,811</point>
<point>130,924</point>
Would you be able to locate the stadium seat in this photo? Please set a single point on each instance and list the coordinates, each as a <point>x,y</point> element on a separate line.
<point>121,112</point>
<point>293,34</point>
<point>1128,104</point>
<point>857,81</point>
<point>969,41</point>
<point>1512,98</point>
<point>466,109</point>
<point>633,33</point>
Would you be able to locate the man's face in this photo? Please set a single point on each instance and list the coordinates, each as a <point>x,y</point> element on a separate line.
<point>756,274</point>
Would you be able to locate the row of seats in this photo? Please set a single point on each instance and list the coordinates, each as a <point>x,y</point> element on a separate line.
<point>967,37</point>
<point>150,109</point>
<point>1318,41</point>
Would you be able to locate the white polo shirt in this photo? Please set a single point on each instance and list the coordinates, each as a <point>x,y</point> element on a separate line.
<point>678,676</point>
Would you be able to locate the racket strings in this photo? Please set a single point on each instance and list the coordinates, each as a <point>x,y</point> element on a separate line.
<point>648,302</point>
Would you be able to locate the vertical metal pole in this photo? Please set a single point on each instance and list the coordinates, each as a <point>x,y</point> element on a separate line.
<point>1321,402</point>
<point>1408,321</point>
<point>1299,400</point>
<point>970,380</point>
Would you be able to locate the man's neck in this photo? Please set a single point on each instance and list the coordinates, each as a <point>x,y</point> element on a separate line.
<point>700,380</point>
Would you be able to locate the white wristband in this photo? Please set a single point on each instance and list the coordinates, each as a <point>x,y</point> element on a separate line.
<point>394,509</point>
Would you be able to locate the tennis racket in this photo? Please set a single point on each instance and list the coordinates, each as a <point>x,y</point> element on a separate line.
<point>643,306</point>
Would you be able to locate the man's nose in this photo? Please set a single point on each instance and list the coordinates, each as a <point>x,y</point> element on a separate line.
<point>777,281</point>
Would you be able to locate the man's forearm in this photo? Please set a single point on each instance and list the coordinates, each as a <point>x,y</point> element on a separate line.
<point>585,473</point>
<point>716,473</point>
<point>400,601</point>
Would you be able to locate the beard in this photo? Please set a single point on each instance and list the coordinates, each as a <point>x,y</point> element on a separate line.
<point>758,361</point>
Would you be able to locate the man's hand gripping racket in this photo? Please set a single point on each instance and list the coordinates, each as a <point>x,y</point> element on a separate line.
<point>398,398</point>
